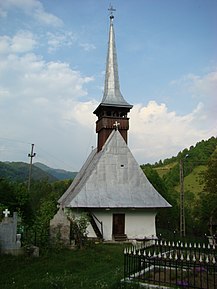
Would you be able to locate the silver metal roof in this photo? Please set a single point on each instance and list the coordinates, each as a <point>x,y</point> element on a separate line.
<point>112,94</point>
<point>112,178</point>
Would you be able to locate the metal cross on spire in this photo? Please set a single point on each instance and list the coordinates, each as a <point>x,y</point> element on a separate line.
<point>111,10</point>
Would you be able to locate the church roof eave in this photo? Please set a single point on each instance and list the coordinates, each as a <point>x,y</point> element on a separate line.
<point>117,105</point>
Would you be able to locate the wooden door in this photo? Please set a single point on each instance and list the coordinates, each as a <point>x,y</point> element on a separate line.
<point>118,224</point>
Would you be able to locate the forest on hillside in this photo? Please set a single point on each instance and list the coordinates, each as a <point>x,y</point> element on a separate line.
<point>19,172</point>
<point>39,204</point>
<point>199,165</point>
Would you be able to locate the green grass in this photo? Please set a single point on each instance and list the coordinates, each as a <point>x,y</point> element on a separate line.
<point>162,170</point>
<point>192,181</point>
<point>98,266</point>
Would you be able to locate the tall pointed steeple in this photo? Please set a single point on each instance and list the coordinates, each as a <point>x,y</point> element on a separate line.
<point>113,109</point>
<point>112,93</point>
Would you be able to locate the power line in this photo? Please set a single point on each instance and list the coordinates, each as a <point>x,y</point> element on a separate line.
<point>15,140</point>
<point>54,157</point>
<point>60,161</point>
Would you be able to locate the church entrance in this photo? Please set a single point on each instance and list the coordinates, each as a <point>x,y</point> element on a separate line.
<point>118,224</point>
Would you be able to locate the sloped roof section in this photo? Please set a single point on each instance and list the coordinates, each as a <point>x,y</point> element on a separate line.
<point>112,178</point>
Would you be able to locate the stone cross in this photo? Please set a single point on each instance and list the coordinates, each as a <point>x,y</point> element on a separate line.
<point>6,213</point>
<point>116,124</point>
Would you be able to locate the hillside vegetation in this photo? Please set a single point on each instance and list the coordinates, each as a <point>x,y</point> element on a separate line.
<point>19,172</point>
<point>194,161</point>
<point>165,176</point>
<point>59,174</point>
<point>193,182</point>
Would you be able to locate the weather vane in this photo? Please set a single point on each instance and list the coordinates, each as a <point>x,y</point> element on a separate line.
<point>111,10</point>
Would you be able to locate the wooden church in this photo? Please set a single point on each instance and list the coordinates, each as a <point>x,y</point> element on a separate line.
<point>111,187</point>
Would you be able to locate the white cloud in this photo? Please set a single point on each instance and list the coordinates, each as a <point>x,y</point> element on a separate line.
<point>33,8</point>
<point>40,102</point>
<point>46,18</point>
<point>4,44</point>
<point>201,88</point>
<point>157,133</point>
<point>81,112</point>
<point>59,39</point>
<point>3,92</point>
<point>204,88</point>
<point>87,46</point>
<point>23,41</point>
<point>44,103</point>
<point>31,76</point>
<point>65,38</point>
<point>3,14</point>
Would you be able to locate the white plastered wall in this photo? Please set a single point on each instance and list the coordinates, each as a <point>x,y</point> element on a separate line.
<point>139,224</point>
<point>106,218</point>
<point>103,216</point>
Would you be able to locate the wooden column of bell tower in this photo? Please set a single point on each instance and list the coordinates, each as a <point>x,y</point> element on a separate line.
<point>110,118</point>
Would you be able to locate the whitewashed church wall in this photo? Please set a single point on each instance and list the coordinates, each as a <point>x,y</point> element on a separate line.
<point>106,218</point>
<point>90,231</point>
<point>140,224</point>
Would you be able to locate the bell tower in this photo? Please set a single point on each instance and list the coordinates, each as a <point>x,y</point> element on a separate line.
<point>113,109</point>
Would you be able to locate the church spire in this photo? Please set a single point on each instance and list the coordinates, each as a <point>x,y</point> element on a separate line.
<point>112,94</point>
<point>113,107</point>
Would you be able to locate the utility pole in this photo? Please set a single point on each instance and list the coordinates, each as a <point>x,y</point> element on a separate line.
<point>31,156</point>
<point>182,199</point>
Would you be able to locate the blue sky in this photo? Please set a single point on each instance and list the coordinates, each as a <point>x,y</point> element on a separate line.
<point>52,65</point>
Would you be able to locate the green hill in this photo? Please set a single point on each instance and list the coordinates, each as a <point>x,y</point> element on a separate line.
<point>57,173</point>
<point>165,177</point>
<point>19,172</point>
<point>163,170</point>
<point>193,182</point>
<point>194,162</point>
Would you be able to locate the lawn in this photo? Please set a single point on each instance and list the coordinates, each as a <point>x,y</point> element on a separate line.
<point>98,266</point>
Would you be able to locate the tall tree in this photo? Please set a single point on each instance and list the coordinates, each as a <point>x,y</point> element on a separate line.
<point>210,190</point>
<point>167,218</point>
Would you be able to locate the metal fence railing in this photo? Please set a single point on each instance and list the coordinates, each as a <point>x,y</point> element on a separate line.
<point>179,265</point>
